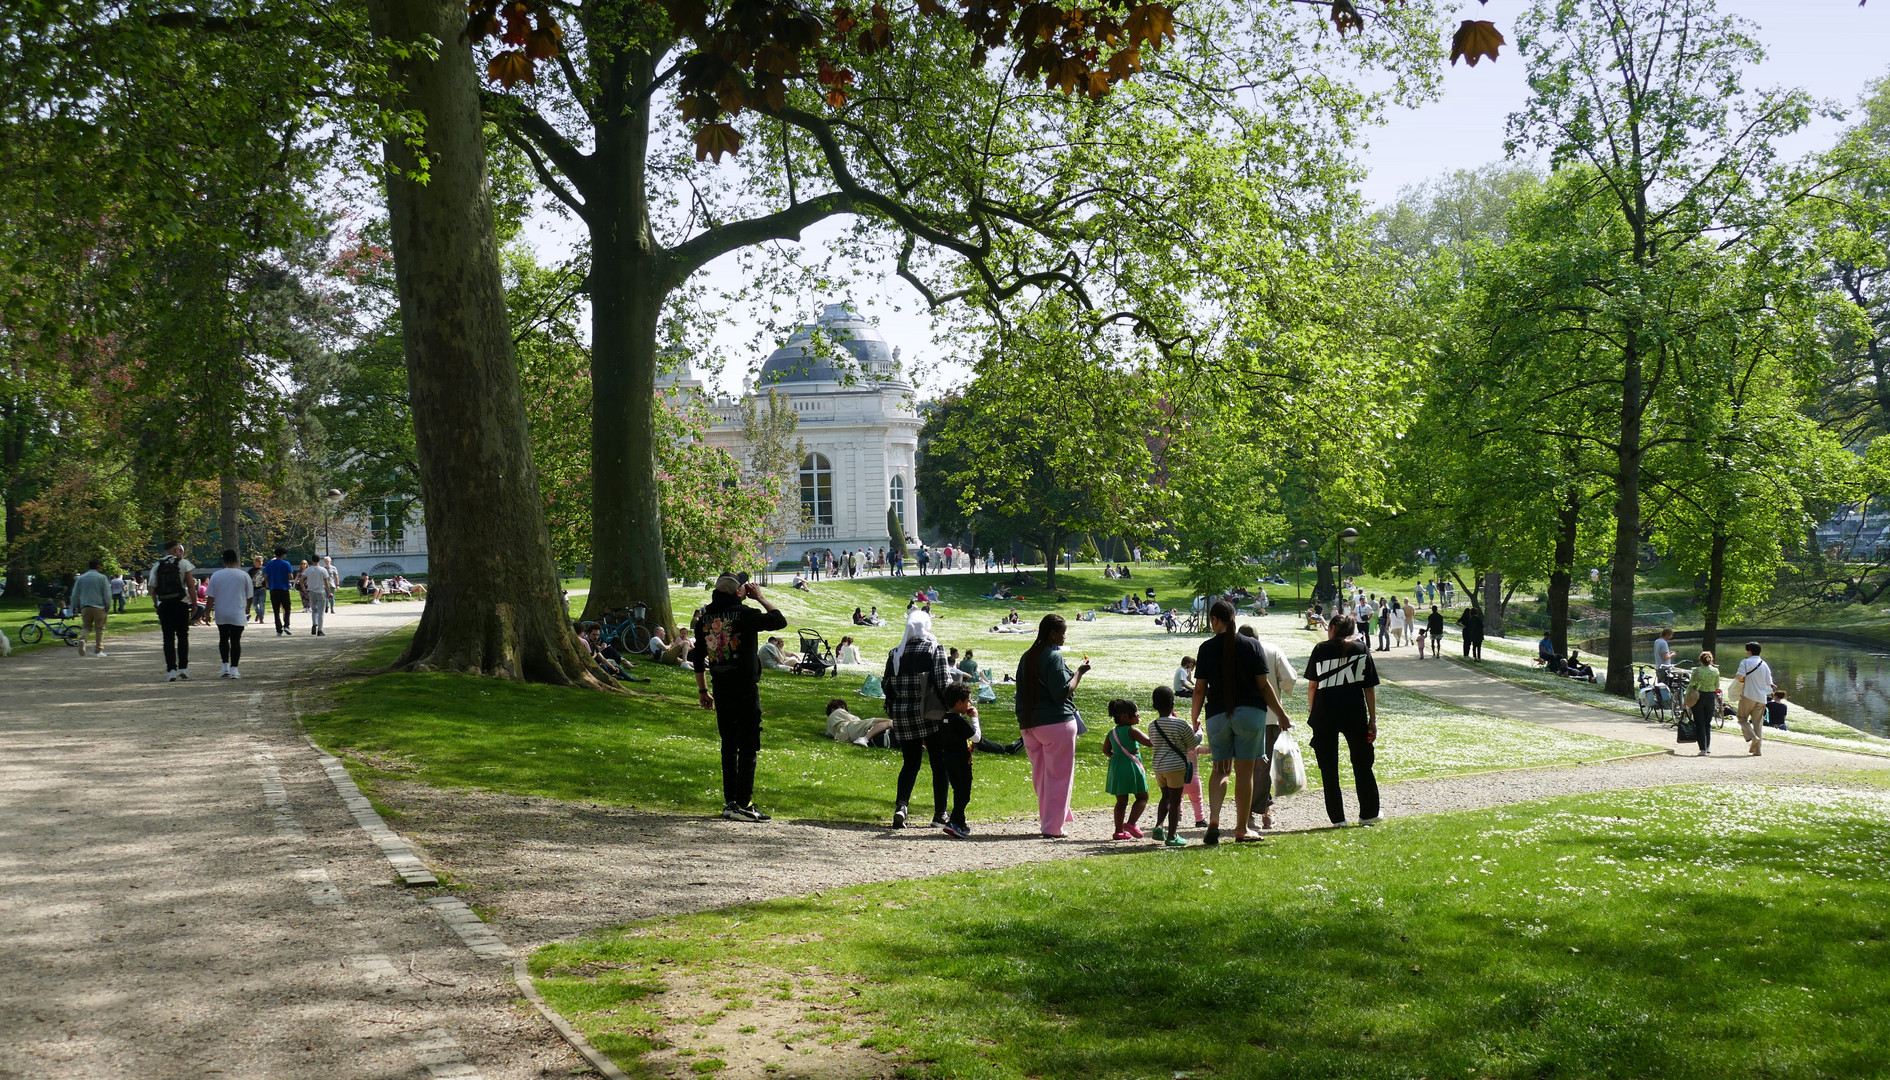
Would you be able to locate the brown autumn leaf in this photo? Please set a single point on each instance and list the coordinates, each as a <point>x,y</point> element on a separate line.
<point>1345,16</point>
<point>836,98</point>
<point>510,68</point>
<point>1125,63</point>
<point>1475,39</point>
<point>1150,23</point>
<point>717,139</point>
<point>1066,74</point>
<point>543,42</point>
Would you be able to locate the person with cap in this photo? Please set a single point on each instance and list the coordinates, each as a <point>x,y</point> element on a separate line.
<point>725,649</point>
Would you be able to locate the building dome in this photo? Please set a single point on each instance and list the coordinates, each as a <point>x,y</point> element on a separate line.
<point>801,360</point>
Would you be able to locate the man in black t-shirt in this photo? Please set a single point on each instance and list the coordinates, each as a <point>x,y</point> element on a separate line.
<point>1230,679</point>
<point>725,648</point>
<point>1342,700</point>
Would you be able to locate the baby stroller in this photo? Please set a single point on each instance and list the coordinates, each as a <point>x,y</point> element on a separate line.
<point>817,657</point>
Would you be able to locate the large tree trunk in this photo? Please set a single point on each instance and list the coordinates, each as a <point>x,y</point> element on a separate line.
<point>1715,590</point>
<point>1627,528</point>
<point>1562,573</point>
<point>630,280</point>
<point>1493,604</point>
<point>229,525</point>
<point>12,454</point>
<point>493,605</point>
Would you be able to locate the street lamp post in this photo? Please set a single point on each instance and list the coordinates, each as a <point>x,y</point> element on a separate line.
<point>327,508</point>
<point>1299,570</point>
<point>1346,535</point>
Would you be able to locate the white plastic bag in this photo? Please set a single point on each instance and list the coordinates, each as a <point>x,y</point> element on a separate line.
<point>1289,767</point>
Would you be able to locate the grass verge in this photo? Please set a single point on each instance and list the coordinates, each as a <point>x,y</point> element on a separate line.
<point>138,616</point>
<point>1678,933</point>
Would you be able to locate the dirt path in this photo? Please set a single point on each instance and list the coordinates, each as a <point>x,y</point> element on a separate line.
<point>183,894</point>
<point>550,869</point>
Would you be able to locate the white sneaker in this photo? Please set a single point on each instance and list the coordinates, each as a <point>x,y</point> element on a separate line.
<point>235,674</point>
<point>100,653</point>
<point>1379,820</point>
<point>183,673</point>
<point>171,675</point>
<point>223,672</point>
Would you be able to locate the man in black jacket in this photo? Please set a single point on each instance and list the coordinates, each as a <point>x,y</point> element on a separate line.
<point>725,648</point>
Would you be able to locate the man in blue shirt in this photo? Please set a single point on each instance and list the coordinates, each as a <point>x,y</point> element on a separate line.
<point>279,572</point>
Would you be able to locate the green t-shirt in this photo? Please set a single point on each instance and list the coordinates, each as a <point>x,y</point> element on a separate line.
<point>1055,704</point>
<point>1705,679</point>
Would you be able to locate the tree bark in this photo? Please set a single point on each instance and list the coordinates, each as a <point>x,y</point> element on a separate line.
<point>1627,526</point>
<point>1562,574</point>
<point>1493,604</point>
<point>493,606</point>
<point>1715,591</point>
<point>12,454</point>
<point>229,525</point>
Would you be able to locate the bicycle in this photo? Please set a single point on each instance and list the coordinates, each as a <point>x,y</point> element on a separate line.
<point>50,620</point>
<point>623,627</point>
<point>1660,694</point>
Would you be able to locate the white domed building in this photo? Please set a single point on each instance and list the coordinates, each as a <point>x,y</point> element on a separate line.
<point>858,425</point>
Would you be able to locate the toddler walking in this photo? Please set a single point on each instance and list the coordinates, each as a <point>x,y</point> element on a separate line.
<point>1126,777</point>
<point>1423,635</point>
<point>1173,740</point>
<point>950,747</point>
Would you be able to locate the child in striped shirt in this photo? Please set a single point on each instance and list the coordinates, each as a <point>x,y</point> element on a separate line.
<point>1172,739</point>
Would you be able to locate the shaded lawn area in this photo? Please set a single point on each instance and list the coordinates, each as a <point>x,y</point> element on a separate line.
<point>139,616</point>
<point>1678,933</point>
<point>655,748</point>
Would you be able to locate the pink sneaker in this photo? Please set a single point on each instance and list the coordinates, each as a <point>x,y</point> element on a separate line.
<point>1123,835</point>
<point>1135,832</point>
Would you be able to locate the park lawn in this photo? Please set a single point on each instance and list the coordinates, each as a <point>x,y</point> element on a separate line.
<point>655,748</point>
<point>1697,932</point>
<point>139,616</point>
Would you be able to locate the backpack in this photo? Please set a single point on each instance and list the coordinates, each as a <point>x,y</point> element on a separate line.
<point>168,582</point>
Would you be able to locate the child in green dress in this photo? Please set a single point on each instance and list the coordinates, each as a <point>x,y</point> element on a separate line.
<point>1126,777</point>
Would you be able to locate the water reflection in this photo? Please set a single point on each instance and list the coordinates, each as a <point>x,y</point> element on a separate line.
<point>1844,682</point>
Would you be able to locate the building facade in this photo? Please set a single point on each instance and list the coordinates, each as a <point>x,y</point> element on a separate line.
<point>390,539</point>
<point>857,424</point>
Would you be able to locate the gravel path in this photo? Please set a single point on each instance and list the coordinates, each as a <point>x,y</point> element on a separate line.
<point>183,894</point>
<point>551,869</point>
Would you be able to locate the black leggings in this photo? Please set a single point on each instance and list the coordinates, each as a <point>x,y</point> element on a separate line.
<point>230,643</point>
<point>738,721</point>
<point>1325,748</point>
<point>914,751</point>
<point>950,757</point>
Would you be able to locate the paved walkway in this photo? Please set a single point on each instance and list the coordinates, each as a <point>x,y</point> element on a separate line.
<point>184,894</point>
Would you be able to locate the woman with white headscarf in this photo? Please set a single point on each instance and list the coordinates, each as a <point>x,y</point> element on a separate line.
<point>915,672</point>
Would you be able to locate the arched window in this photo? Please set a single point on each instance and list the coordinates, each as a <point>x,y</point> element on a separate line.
<point>898,495</point>
<point>817,489</point>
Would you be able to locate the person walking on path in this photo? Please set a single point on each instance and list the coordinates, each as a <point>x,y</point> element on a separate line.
<point>1754,679</point>
<point>92,598</point>
<point>917,673</point>
<point>1342,700</point>
<point>1384,626</point>
<point>230,590</point>
<point>1704,685</point>
<point>334,581</point>
<point>1280,674</point>
<point>118,593</point>
<point>173,585</point>
<point>1127,779</point>
<point>726,651</point>
<point>315,587</point>
<point>259,596</point>
<point>1472,622</point>
<point>1230,674</point>
<point>950,750</point>
<point>1046,711</point>
<point>279,572</point>
<point>1435,624</point>
<point>1174,741</point>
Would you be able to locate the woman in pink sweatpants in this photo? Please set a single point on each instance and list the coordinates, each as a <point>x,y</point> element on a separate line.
<point>1046,711</point>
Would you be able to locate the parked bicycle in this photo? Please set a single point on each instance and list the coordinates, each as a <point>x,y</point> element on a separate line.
<point>51,619</point>
<point>1661,693</point>
<point>624,627</point>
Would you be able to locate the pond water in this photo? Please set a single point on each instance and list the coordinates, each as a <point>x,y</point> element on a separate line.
<point>1844,682</point>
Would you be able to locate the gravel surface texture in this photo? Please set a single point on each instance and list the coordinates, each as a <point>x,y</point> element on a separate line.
<point>183,894</point>
<point>550,869</point>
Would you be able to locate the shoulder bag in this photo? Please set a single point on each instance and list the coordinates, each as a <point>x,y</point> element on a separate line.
<point>1188,777</point>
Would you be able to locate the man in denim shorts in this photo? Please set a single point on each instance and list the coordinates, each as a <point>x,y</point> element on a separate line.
<point>1230,678</point>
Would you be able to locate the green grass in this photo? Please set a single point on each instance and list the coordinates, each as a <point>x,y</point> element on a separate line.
<point>1681,933</point>
<point>655,748</point>
<point>139,616</point>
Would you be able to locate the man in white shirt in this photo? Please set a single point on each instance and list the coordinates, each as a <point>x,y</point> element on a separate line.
<point>1752,697</point>
<point>1663,649</point>
<point>315,581</point>
<point>230,590</point>
<point>1280,674</point>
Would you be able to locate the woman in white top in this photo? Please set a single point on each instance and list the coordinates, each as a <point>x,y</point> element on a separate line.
<point>1397,623</point>
<point>848,653</point>
<point>1752,695</point>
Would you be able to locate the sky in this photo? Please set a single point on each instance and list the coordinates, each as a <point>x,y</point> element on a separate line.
<point>1830,48</point>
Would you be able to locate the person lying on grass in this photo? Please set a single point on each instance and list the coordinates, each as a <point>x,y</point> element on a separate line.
<point>844,726</point>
